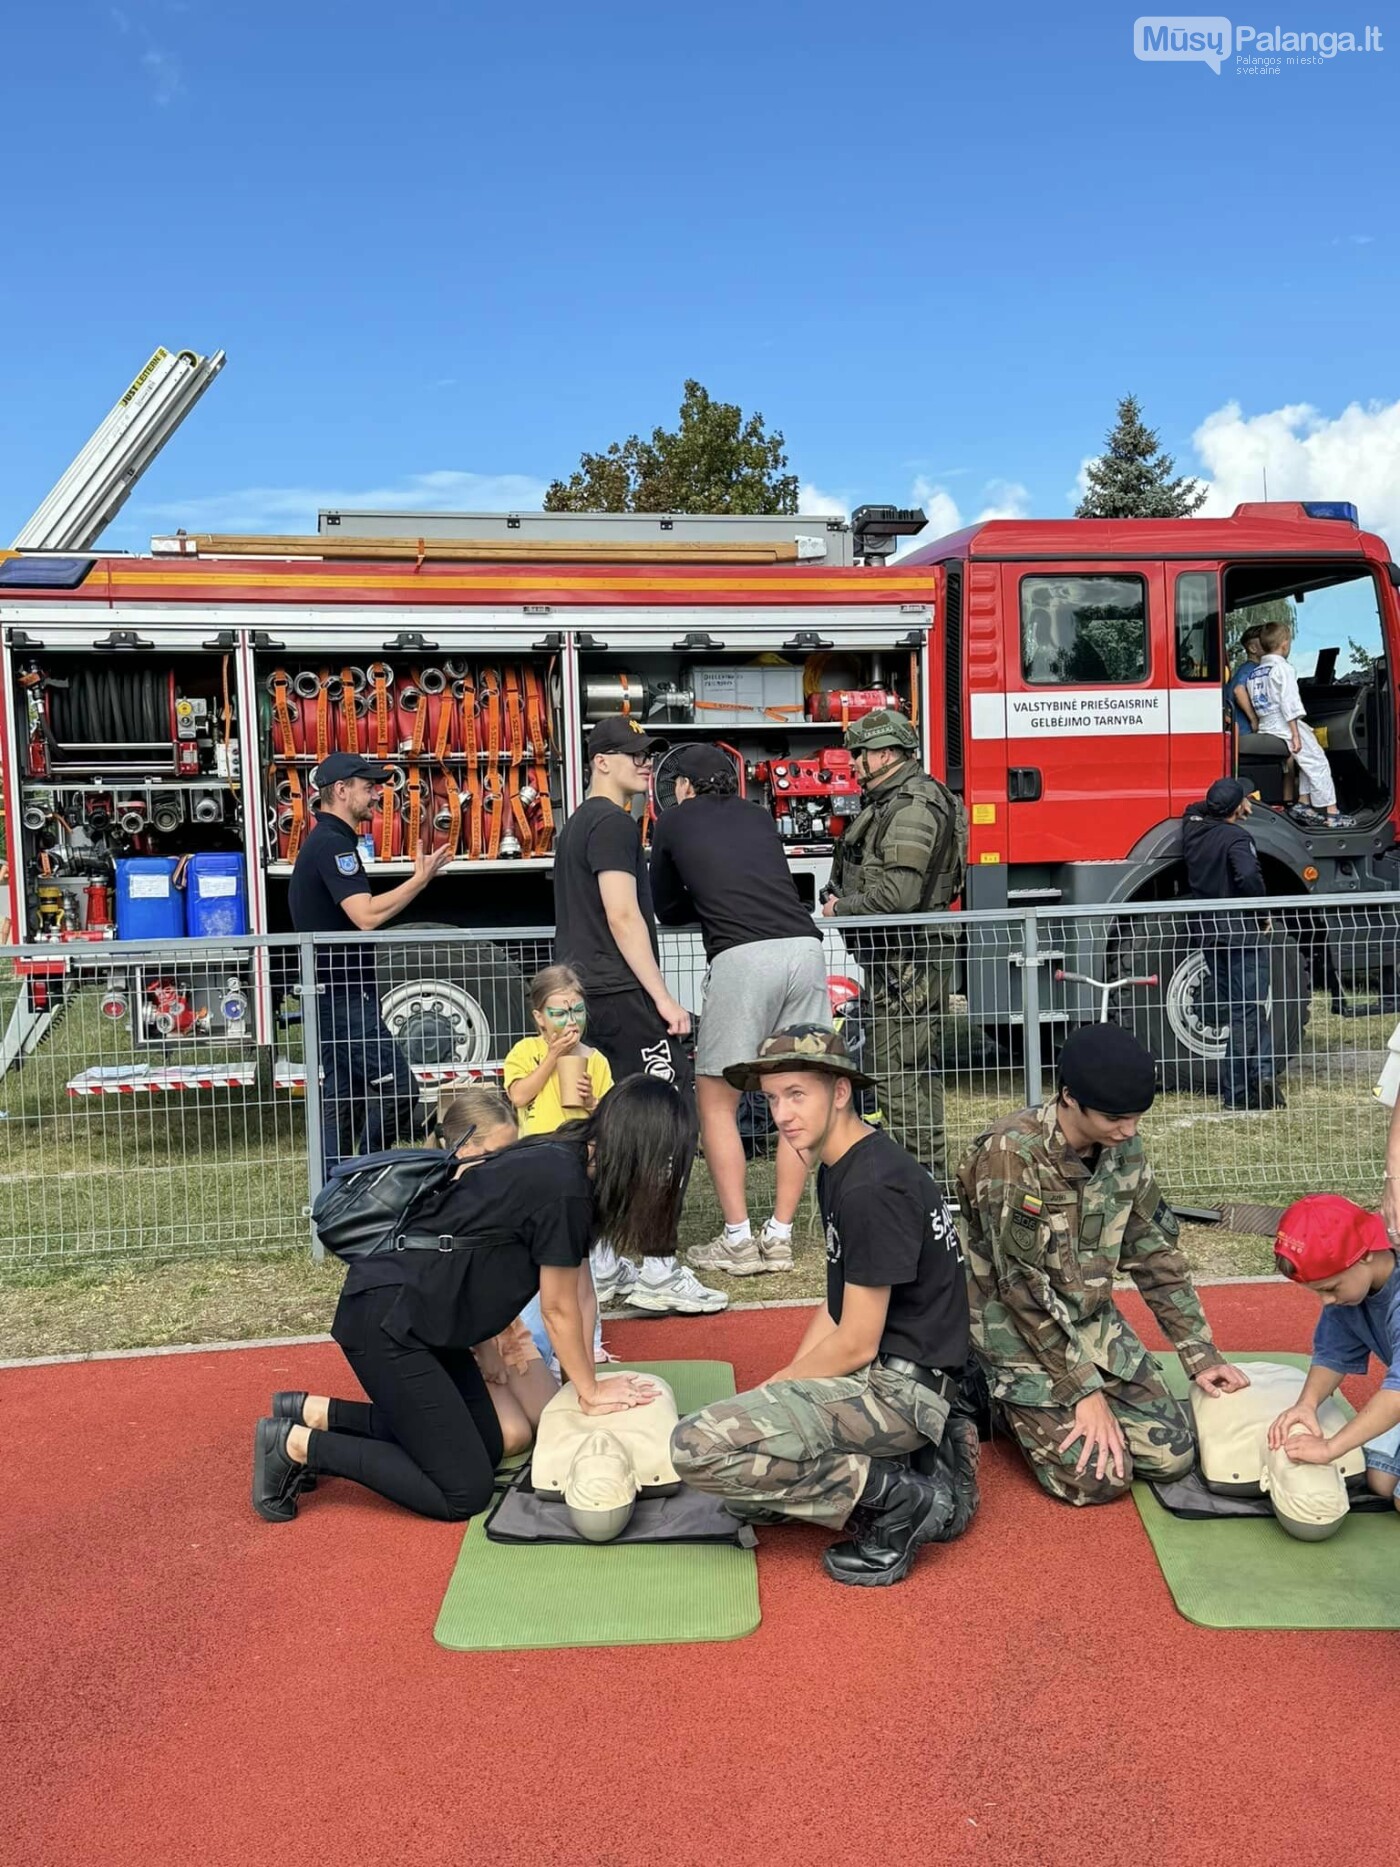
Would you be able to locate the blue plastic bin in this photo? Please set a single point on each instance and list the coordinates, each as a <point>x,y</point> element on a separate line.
<point>217,896</point>
<point>149,905</point>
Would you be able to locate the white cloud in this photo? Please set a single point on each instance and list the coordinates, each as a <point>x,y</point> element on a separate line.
<point>1307,455</point>
<point>1001,499</point>
<point>163,73</point>
<point>293,509</point>
<point>812,499</point>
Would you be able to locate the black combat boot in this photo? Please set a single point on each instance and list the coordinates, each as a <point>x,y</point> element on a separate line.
<point>954,1459</point>
<point>898,1510</point>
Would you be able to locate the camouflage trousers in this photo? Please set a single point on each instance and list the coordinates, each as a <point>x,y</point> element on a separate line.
<point>802,1449</point>
<point>904,1049</point>
<point>1156,1426</point>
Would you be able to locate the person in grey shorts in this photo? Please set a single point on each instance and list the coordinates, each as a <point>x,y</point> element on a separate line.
<point>718,860</point>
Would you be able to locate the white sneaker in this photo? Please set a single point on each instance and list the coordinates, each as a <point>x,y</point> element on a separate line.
<point>735,1257</point>
<point>613,1286</point>
<point>680,1293</point>
<point>775,1250</point>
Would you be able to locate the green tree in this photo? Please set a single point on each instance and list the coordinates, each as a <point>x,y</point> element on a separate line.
<point>714,461</point>
<point>1254,616</point>
<point>1132,478</point>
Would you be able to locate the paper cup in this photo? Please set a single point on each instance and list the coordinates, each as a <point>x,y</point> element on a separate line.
<point>571,1074</point>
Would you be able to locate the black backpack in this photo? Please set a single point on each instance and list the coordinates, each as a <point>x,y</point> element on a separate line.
<point>367,1208</point>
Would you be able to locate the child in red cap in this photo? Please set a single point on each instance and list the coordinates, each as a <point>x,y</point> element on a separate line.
<point>1343,1254</point>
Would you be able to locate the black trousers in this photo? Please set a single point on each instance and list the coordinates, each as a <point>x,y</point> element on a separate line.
<point>429,1438</point>
<point>629,1031</point>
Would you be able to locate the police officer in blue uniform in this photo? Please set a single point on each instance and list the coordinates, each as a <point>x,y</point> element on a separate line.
<point>369,1096</point>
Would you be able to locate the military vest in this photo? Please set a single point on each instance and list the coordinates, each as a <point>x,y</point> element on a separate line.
<point>862,842</point>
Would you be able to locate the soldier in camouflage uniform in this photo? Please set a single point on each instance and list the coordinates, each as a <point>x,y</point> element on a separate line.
<point>826,1440</point>
<point>1058,1201</point>
<point>905,853</point>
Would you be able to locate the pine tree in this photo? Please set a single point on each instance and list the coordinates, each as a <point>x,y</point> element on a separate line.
<point>1132,479</point>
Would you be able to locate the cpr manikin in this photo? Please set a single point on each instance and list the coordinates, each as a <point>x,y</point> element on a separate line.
<point>1232,1432</point>
<point>601,1463</point>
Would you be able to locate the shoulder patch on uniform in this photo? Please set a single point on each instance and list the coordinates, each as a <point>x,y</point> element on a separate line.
<point>348,865</point>
<point>1030,1203</point>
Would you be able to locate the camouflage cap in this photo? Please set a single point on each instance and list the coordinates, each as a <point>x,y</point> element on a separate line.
<point>799,1047</point>
<point>881,728</point>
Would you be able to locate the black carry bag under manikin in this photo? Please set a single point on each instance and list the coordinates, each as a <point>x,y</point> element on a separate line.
<point>367,1208</point>
<point>522,1515</point>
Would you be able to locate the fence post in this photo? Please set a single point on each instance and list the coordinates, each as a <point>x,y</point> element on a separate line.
<point>1030,1008</point>
<point>311,1052</point>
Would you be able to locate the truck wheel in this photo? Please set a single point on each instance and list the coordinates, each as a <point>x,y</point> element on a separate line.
<point>457,1001</point>
<point>1176,1018</point>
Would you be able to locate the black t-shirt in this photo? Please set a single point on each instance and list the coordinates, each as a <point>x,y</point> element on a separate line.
<point>508,1214</point>
<point>600,836</point>
<point>888,1226</point>
<point>719,860</point>
<point>327,871</point>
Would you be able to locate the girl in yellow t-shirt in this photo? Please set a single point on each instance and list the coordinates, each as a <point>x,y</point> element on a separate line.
<point>532,1083</point>
<point>531,1069</point>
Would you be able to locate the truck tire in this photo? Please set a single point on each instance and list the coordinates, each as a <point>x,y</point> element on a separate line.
<point>1173,1020</point>
<point>458,1001</point>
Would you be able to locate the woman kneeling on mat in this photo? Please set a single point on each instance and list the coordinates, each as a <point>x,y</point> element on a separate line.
<point>472,1121</point>
<point>522,1220</point>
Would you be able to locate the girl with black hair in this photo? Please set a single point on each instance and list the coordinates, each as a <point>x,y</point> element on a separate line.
<point>522,1220</point>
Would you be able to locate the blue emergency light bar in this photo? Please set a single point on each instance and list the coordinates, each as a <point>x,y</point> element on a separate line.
<point>1332,509</point>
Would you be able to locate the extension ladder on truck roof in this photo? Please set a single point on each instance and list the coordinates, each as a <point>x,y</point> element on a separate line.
<point>96,486</point>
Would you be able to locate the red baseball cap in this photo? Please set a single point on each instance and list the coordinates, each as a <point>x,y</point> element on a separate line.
<point>1324,1234</point>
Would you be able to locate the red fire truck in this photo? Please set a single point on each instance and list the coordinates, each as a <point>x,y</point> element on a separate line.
<point>1067,677</point>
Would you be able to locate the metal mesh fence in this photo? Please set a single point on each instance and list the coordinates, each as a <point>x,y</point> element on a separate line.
<point>156,1106</point>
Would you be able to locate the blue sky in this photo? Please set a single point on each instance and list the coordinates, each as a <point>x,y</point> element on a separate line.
<point>464,241</point>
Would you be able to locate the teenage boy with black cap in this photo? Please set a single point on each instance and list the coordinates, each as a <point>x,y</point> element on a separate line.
<point>605,928</point>
<point>1059,1200</point>
<point>825,1439</point>
<point>369,1095</point>
<point>1222,864</point>
<point>719,860</point>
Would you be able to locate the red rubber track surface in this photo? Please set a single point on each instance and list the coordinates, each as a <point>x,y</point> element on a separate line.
<point>185,1683</point>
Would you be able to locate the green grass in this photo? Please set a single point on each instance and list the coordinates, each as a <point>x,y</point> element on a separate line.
<point>131,1222</point>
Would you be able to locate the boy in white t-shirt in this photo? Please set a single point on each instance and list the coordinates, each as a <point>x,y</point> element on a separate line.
<point>1272,687</point>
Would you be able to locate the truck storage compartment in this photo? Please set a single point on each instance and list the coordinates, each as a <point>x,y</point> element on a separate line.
<point>779,715</point>
<point>472,745</point>
<point>128,755</point>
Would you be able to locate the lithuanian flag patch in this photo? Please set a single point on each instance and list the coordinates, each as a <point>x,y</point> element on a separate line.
<point>1032,1205</point>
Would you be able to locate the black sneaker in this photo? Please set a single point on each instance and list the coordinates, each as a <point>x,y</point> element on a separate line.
<point>277,1479</point>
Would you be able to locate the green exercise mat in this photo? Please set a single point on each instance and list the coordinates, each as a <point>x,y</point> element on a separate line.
<point>1248,1572</point>
<point>568,1595</point>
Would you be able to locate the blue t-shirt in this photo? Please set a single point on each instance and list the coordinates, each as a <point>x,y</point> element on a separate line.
<point>1237,712</point>
<point>1346,1337</point>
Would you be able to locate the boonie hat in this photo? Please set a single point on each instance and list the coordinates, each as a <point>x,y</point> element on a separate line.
<point>341,767</point>
<point>881,728</point>
<point>620,732</point>
<point>799,1047</point>
<point>1324,1234</point>
<point>701,762</point>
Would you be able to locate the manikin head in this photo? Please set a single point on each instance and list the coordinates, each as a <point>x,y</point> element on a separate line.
<point>601,1489</point>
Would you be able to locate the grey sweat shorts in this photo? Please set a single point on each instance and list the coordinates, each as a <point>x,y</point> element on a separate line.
<point>754,989</point>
